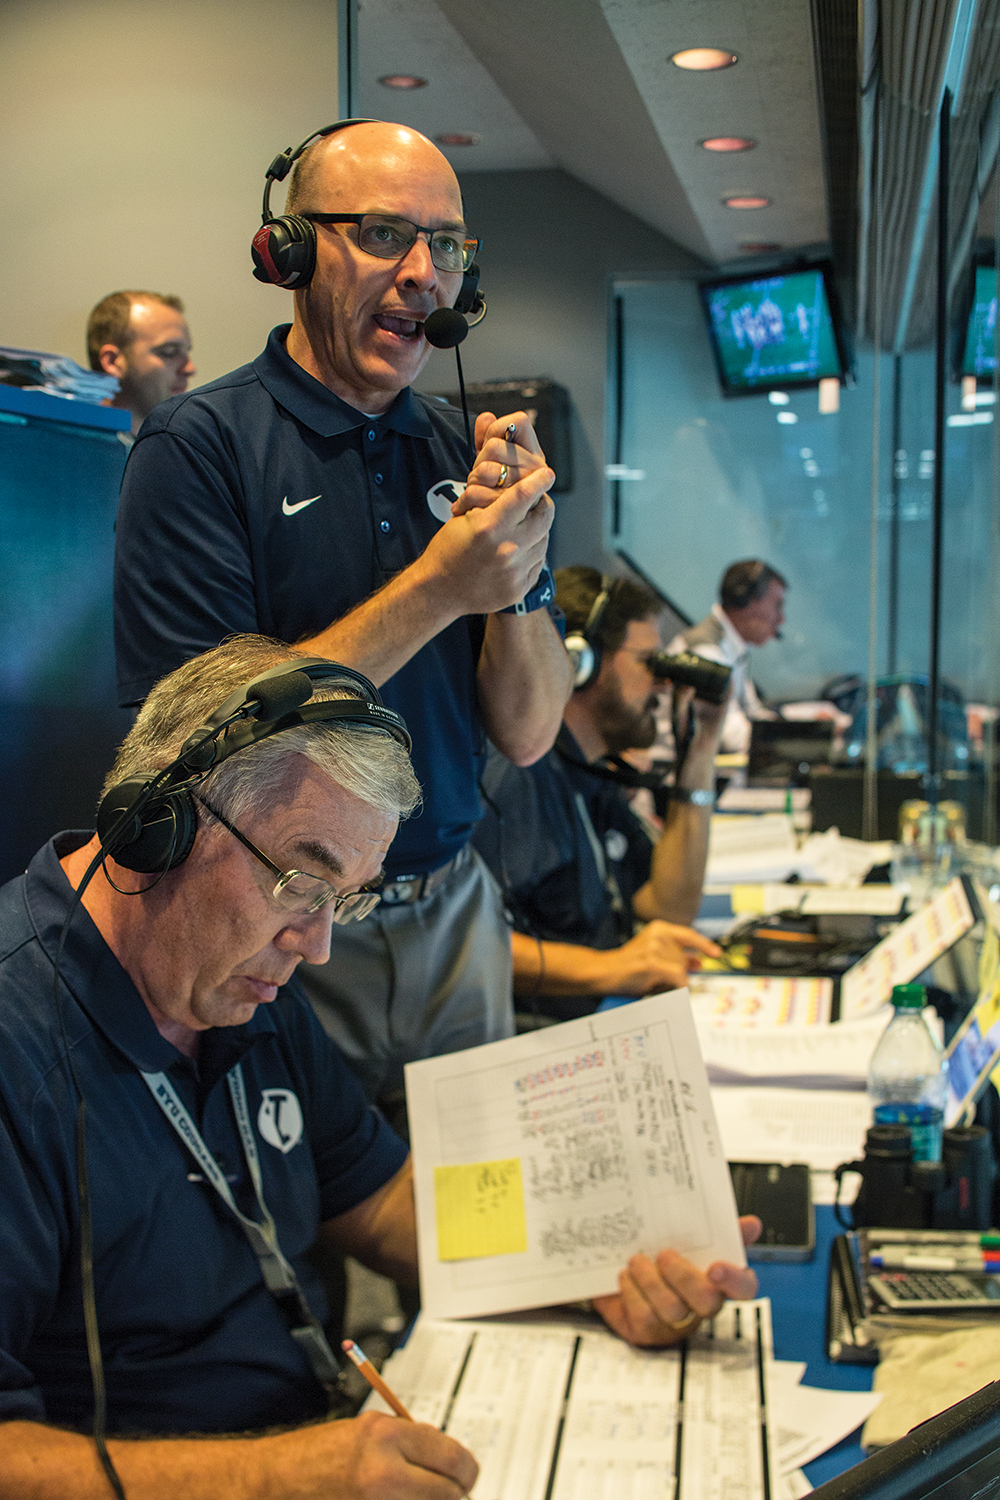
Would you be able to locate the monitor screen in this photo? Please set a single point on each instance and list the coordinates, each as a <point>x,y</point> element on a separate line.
<point>954,1456</point>
<point>979,356</point>
<point>774,331</point>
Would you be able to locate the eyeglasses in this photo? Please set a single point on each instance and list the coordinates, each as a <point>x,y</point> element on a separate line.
<point>296,891</point>
<point>390,239</point>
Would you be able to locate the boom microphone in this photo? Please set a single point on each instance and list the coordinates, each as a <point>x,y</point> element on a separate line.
<point>445,328</point>
<point>279,696</point>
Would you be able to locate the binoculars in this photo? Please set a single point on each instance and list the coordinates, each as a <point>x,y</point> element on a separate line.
<point>899,1193</point>
<point>710,679</point>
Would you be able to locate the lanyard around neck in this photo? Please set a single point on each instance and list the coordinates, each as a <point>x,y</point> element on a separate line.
<point>279,1276</point>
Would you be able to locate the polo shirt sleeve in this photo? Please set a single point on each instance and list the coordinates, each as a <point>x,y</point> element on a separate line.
<point>31,1244</point>
<point>183,577</point>
<point>354,1150</point>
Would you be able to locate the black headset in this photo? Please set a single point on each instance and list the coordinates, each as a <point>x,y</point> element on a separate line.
<point>585,647</point>
<point>148,823</point>
<point>284,248</point>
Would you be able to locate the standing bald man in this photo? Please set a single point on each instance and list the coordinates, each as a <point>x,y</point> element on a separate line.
<point>312,496</point>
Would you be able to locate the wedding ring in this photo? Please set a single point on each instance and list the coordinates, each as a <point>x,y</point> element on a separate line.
<point>503,477</point>
<point>685,1323</point>
<point>509,434</point>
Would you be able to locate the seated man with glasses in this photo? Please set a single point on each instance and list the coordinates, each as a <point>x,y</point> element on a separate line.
<point>152,1032</point>
<point>314,496</point>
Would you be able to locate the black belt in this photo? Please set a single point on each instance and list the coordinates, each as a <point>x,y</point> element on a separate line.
<point>410,888</point>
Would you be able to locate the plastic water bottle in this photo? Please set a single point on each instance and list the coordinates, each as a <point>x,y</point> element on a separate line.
<point>907,1076</point>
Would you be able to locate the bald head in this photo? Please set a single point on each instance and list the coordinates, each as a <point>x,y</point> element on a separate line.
<point>359,322</point>
<point>346,160</point>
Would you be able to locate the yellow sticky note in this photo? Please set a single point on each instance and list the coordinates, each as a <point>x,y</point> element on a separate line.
<point>480,1210</point>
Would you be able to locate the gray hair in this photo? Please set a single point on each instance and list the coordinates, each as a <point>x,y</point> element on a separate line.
<point>368,762</point>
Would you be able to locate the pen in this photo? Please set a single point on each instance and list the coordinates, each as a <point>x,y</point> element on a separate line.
<point>900,1260</point>
<point>986,1240</point>
<point>358,1357</point>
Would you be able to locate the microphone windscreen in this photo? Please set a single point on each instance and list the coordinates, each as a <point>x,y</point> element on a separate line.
<point>445,328</point>
<point>281,695</point>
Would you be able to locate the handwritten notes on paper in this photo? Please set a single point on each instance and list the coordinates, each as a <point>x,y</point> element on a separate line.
<point>610,1118</point>
<point>480,1210</point>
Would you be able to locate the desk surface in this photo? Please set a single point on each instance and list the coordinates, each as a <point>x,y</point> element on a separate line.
<point>798,1317</point>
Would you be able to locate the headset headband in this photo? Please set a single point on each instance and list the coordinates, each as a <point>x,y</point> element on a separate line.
<point>283,163</point>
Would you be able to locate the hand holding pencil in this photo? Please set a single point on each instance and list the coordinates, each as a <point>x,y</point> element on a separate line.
<point>458,1469</point>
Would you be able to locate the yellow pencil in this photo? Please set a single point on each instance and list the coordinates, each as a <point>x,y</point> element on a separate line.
<point>374,1379</point>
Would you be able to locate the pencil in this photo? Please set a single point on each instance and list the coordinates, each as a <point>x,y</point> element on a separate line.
<point>358,1357</point>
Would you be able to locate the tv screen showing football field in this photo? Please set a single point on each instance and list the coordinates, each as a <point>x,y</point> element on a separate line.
<point>980,353</point>
<point>772,331</point>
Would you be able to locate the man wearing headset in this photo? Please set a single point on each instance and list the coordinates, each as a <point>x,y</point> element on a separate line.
<point>598,908</point>
<point>214,1104</point>
<point>750,612</point>
<point>313,496</point>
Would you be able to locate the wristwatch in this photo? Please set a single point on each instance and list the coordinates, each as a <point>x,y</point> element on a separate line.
<point>700,797</point>
<point>542,594</point>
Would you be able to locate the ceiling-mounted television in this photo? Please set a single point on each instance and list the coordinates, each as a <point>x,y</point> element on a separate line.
<point>979,351</point>
<point>775,330</point>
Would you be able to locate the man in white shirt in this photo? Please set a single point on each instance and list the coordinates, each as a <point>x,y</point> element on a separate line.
<point>750,612</point>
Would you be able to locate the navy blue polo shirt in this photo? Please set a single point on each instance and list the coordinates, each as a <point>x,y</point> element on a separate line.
<point>261,502</point>
<point>534,839</point>
<point>192,1340</point>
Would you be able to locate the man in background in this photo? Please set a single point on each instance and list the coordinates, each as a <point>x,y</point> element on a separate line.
<point>598,908</point>
<point>143,340</point>
<point>750,612</point>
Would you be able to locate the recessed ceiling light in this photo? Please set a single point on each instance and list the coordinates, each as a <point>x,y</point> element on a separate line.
<point>759,247</point>
<point>728,143</point>
<point>458,138</point>
<point>703,59</point>
<point>787,418</point>
<point>746,200</point>
<point>778,398</point>
<point>402,81</point>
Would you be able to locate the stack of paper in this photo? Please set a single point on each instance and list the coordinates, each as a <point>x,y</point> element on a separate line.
<point>561,1409</point>
<point>56,374</point>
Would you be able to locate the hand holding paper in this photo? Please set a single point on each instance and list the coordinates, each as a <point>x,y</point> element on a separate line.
<point>657,1298</point>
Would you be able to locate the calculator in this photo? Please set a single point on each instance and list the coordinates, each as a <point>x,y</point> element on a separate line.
<point>934,1291</point>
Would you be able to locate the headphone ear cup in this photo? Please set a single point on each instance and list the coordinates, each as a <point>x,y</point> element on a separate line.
<point>468,294</point>
<point>284,252</point>
<point>586,659</point>
<point>161,835</point>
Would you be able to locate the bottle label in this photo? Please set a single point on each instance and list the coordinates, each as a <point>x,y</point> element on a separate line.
<point>925,1122</point>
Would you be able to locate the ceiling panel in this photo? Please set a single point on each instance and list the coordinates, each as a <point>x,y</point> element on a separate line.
<point>586,85</point>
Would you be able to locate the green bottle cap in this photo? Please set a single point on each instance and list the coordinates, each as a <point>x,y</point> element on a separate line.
<point>909,996</point>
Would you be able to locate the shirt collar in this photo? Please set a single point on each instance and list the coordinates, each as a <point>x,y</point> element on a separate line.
<point>316,407</point>
<point>736,641</point>
<point>95,978</point>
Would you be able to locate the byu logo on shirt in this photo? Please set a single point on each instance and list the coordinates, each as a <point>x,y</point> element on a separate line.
<point>615,845</point>
<point>441,496</point>
<point>279,1118</point>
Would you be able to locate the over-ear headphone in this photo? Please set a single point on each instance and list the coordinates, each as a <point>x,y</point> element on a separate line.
<point>148,823</point>
<point>284,248</point>
<point>585,647</point>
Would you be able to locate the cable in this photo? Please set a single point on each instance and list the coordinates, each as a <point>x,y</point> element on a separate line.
<point>90,1322</point>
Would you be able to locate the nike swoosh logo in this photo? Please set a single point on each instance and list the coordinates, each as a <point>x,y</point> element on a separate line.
<point>299,504</point>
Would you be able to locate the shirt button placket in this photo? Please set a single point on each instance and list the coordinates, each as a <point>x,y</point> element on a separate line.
<point>376,459</point>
